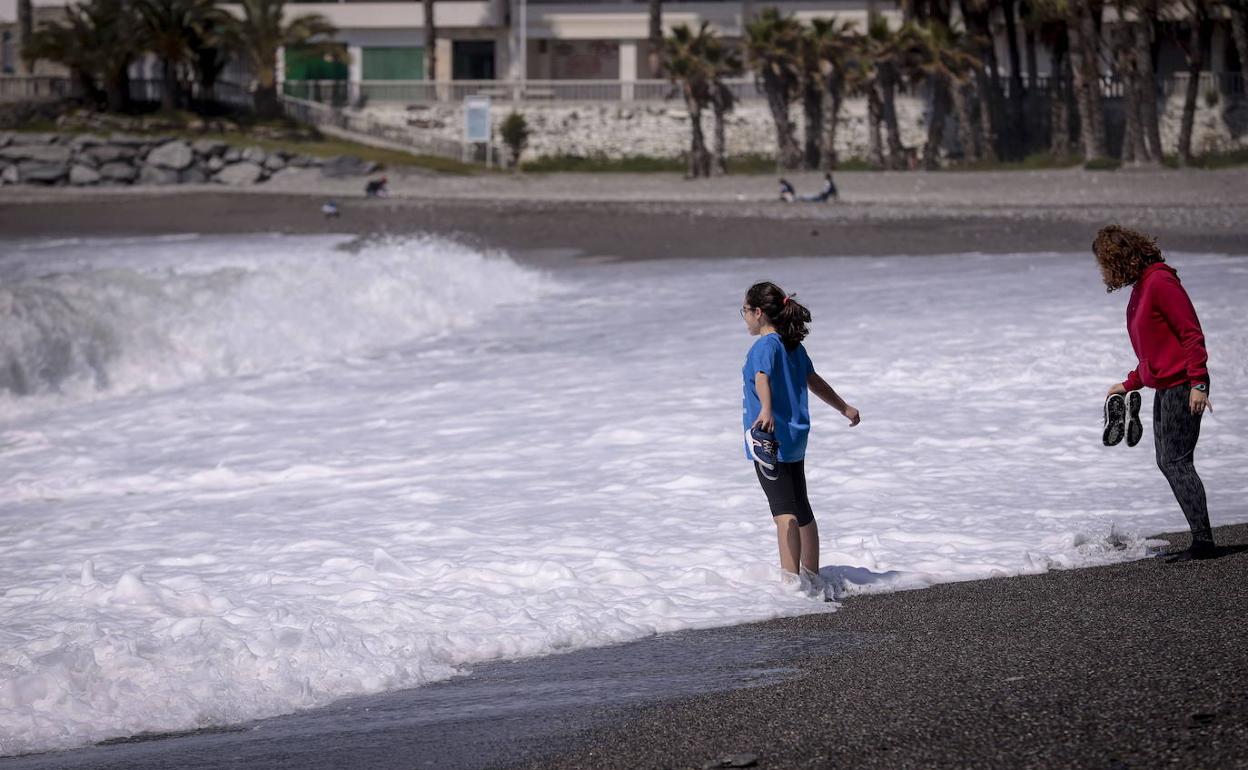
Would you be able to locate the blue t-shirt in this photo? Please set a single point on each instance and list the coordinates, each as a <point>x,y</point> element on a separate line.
<point>787,371</point>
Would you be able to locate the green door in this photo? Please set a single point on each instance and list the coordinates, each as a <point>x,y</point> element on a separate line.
<point>406,63</point>
<point>303,64</point>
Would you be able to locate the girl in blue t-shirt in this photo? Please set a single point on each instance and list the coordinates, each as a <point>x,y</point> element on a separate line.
<point>777,376</point>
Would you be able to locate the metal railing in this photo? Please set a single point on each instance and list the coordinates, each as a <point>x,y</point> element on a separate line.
<point>33,88</point>
<point>342,92</point>
<point>324,115</point>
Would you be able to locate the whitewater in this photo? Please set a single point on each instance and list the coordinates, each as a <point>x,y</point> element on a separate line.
<point>244,476</point>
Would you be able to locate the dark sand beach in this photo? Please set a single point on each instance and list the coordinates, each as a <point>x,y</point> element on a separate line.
<point>659,216</point>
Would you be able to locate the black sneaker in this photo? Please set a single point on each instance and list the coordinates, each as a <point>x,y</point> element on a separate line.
<point>1115,419</point>
<point>1135,429</point>
<point>765,450</point>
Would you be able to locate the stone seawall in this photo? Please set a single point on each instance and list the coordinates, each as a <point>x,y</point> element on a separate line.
<point>616,130</point>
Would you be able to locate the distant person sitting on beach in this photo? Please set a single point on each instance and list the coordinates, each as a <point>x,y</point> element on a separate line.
<point>329,209</point>
<point>787,193</point>
<point>1170,346</point>
<point>376,188</point>
<point>776,378</point>
<point>827,193</point>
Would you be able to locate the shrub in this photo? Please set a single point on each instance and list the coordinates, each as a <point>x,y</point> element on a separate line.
<point>515,133</point>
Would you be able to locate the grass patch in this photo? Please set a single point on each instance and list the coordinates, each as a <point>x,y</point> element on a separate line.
<point>328,146</point>
<point>1212,160</point>
<point>1102,164</point>
<point>1037,161</point>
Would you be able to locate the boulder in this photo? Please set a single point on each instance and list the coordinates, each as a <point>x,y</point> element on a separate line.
<point>233,155</point>
<point>25,139</point>
<point>5,138</point>
<point>149,174</point>
<point>83,175</point>
<point>119,172</point>
<point>10,175</point>
<point>255,155</point>
<point>215,164</point>
<point>347,165</point>
<point>274,162</point>
<point>192,175</point>
<point>83,141</point>
<point>108,153</point>
<point>128,140</point>
<point>209,148</point>
<point>49,153</point>
<point>239,174</point>
<point>175,155</point>
<point>303,161</point>
<point>292,176</point>
<point>38,172</point>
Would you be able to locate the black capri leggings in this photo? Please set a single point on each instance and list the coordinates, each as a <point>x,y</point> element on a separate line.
<point>787,494</point>
<point>1175,433</point>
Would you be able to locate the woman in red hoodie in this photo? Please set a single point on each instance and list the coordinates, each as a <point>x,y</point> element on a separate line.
<point>1170,346</point>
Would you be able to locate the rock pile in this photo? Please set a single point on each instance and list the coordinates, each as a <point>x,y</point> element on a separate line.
<point>122,159</point>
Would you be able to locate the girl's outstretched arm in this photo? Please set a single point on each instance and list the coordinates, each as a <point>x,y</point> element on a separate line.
<point>823,390</point>
<point>762,385</point>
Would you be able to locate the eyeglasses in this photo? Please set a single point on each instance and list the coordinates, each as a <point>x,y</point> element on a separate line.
<point>746,309</point>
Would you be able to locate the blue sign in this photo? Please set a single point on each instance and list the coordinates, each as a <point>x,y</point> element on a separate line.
<point>477,119</point>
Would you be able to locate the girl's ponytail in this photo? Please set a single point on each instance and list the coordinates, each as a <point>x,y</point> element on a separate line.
<point>783,310</point>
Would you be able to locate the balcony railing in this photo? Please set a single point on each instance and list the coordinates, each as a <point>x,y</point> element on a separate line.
<point>32,88</point>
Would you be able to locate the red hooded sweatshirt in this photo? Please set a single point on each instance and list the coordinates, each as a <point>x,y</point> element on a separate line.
<point>1165,332</point>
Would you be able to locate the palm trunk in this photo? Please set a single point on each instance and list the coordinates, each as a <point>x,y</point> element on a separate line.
<point>699,158</point>
<point>1195,62</point>
<point>888,112</point>
<point>168,86</point>
<point>875,147</point>
<point>812,114</point>
<point>431,42</point>
<point>966,123</point>
<point>1133,150</point>
<point>720,108</point>
<point>936,124</point>
<point>25,28</point>
<point>987,133</point>
<point>1146,87</point>
<point>1018,125</point>
<point>655,38</point>
<point>1059,114</point>
<point>264,98</point>
<point>788,153</point>
<point>1085,45</point>
<point>831,116</point>
<point>1239,31</point>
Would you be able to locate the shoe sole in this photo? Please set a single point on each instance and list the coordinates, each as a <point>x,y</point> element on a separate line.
<point>1135,428</point>
<point>1115,419</point>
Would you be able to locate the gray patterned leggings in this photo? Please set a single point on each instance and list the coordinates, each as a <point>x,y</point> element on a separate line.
<point>1175,432</point>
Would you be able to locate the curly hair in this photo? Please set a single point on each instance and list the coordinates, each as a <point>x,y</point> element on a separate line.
<point>785,313</point>
<point>1123,254</point>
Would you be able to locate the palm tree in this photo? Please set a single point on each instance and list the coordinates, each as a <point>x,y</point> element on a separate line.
<point>978,17</point>
<point>835,43</point>
<point>890,55</point>
<point>772,48</point>
<point>1134,69</point>
<point>684,58</point>
<point>260,32</point>
<point>95,42</point>
<point>945,63</point>
<point>170,29</point>
<point>812,93</point>
<point>1018,140</point>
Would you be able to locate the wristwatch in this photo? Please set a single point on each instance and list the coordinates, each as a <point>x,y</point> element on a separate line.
<point>1203,387</point>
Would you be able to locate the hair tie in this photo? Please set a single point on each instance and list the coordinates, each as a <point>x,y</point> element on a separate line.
<point>786,299</point>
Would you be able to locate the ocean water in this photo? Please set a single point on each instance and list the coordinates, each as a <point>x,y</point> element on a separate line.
<point>246,476</point>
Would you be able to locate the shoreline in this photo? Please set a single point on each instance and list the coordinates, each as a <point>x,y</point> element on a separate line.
<point>1136,664</point>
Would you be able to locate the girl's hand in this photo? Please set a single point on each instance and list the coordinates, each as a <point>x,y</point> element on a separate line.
<point>765,421</point>
<point>852,415</point>
<point>1199,401</point>
<point>1116,388</point>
